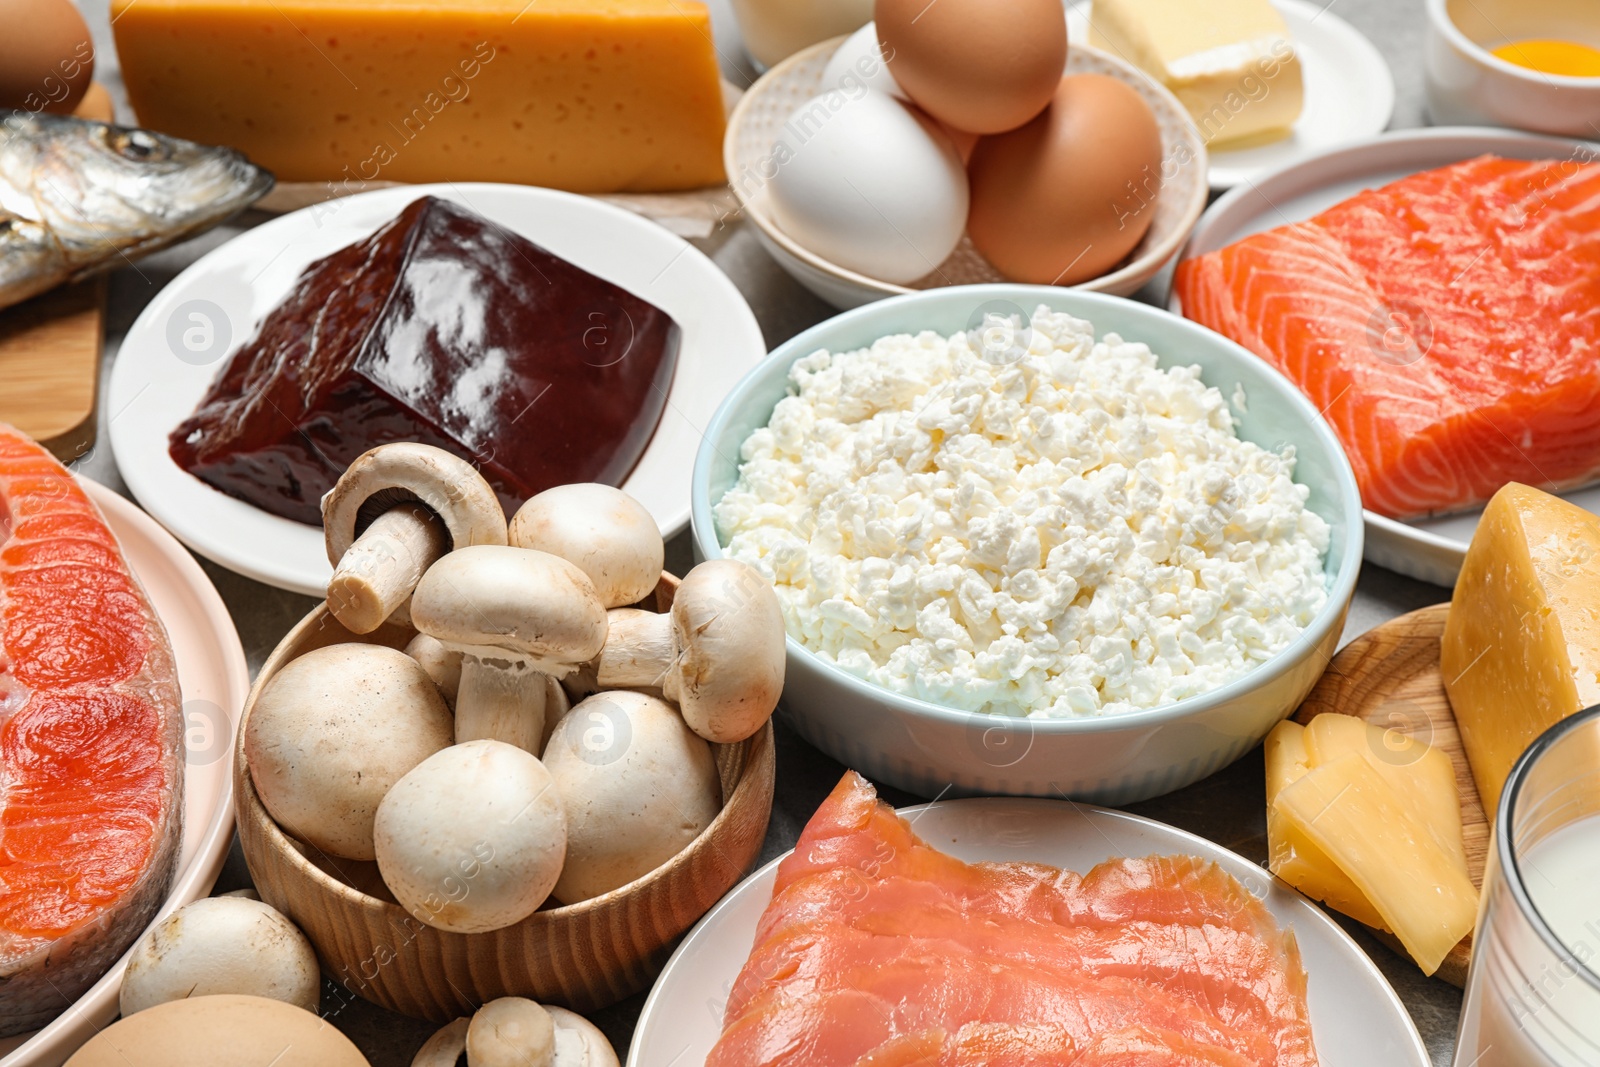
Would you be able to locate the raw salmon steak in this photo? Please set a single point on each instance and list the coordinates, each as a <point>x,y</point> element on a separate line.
<point>1447,325</point>
<point>91,738</point>
<point>877,950</point>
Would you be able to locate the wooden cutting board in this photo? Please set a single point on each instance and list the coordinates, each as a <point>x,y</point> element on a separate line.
<point>50,350</point>
<point>1390,677</point>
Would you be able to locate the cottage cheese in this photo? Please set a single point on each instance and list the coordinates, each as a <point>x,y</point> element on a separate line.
<point>1046,526</point>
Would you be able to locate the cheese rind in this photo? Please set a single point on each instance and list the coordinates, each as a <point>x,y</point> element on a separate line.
<point>1348,811</point>
<point>583,95</point>
<point>1230,62</point>
<point>1521,647</point>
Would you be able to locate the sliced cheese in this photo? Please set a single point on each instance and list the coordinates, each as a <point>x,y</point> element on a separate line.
<point>1421,776</point>
<point>1230,62</point>
<point>1290,854</point>
<point>584,95</point>
<point>1521,648</point>
<point>1348,811</point>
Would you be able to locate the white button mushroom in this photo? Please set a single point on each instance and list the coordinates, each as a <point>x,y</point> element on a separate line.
<point>603,530</point>
<point>473,838</point>
<point>515,1032</point>
<point>410,504</point>
<point>637,784</point>
<point>516,614</point>
<point>447,1045</point>
<point>441,664</point>
<point>222,945</point>
<point>332,731</point>
<point>719,653</point>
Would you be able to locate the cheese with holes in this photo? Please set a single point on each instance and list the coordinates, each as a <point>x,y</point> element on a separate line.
<point>1347,809</point>
<point>1521,647</point>
<point>1230,62</point>
<point>586,95</point>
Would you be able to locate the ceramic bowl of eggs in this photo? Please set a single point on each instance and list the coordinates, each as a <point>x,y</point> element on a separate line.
<point>962,143</point>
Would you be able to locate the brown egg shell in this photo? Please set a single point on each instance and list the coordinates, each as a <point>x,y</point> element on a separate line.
<point>975,65</point>
<point>1068,196</point>
<point>220,1031</point>
<point>47,66</point>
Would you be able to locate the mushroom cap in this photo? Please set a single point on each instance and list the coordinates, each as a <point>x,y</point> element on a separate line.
<point>729,671</point>
<point>579,1042</point>
<point>332,731</point>
<point>473,838</point>
<point>222,945</point>
<point>512,604</point>
<point>511,1032</point>
<point>637,784</point>
<point>445,1047</point>
<point>611,536</point>
<point>441,481</point>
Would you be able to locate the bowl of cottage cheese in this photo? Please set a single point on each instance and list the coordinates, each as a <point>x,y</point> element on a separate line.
<point>1034,541</point>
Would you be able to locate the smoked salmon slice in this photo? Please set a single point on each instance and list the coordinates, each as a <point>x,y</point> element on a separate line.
<point>1447,325</point>
<point>880,951</point>
<point>91,738</point>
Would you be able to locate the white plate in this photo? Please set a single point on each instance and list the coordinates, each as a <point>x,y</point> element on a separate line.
<point>214,679</point>
<point>1428,549</point>
<point>1349,91</point>
<point>152,389</point>
<point>1356,1018</point>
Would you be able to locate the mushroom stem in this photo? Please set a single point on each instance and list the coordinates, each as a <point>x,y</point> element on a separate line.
<point>639,652</point>
<point>376,575</point>
<point>500,703</point>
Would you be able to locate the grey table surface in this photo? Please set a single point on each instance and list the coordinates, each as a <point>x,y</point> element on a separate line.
<point>1228,807</point>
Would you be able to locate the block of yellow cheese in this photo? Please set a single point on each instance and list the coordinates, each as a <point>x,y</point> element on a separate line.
<point>1350,813</point>
<point>585,95</point>
<point>1231,63</point>
<point>1521,648</point>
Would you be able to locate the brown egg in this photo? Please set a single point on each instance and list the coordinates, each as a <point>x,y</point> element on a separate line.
<point>47,66</point>
<point>984,66</point>
<point>220,1031</point>
<point>1068,196</point>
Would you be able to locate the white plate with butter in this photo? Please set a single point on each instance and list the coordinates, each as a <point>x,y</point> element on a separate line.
<point>1356,1018</point>
<point>154,386</point>
<point>1349,90</point>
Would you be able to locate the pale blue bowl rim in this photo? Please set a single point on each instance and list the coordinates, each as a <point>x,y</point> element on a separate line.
<point>1082,305</point>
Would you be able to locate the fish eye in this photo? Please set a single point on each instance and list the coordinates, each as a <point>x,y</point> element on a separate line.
<point>136,145</point>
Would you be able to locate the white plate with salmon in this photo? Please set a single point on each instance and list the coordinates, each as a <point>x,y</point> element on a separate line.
<point>1003,932</point>
<point>121,677</point>
<point>1436,294</point>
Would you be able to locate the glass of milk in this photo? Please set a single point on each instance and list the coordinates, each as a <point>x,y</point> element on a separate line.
<point>1533,994</point>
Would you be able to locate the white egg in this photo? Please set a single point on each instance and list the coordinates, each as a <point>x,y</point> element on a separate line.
<point>869,184</point>
<point>858,63</point>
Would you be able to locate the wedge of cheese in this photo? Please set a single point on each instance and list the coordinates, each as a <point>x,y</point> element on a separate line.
<point>584,95</point>
<point>1230,62</point>
<point>1348,811</point>
<point>1521,648</point>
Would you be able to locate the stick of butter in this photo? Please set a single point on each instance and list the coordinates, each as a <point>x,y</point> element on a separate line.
<point>1230,62</point>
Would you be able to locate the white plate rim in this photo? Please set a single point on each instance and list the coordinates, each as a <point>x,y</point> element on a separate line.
<point>1182,842</point>
<point>62,1036</point>
<point>1220,173</point>
<point>1417,553</point>
<point>145,466</point>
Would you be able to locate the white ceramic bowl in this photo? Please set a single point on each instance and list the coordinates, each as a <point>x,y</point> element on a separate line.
<point>928,749</point>
<point>756,121</point>
<point>1467,85</point>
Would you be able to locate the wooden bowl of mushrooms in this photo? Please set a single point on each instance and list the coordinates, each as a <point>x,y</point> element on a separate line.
<point>506,762</point>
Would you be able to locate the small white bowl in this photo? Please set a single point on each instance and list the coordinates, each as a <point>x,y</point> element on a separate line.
<point>1470,86</point>
<point>1116,759</point>
<point>768,104</point>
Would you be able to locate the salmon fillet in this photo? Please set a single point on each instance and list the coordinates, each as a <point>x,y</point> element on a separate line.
<point>880,951</point>
<point>1447,325</point>
<point>91,738</point>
